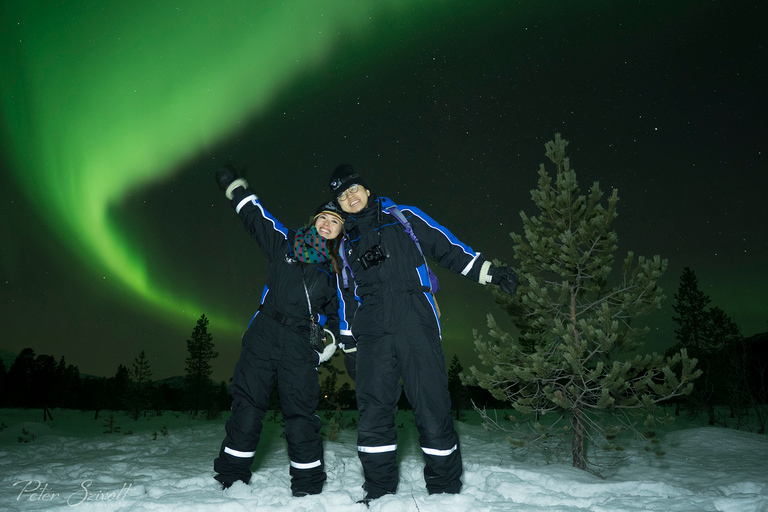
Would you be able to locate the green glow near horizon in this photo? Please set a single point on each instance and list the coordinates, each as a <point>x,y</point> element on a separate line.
<point>101,99</point>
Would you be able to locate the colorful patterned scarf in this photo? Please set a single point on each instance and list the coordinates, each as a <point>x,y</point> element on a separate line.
<point>310,247</point>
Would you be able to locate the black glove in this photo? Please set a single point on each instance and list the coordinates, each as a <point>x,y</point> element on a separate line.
<point>505,278</point>
<point>225,176</point>
<point>350,362</point>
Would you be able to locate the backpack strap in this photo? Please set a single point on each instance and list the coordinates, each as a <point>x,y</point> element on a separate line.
<point>434,285</point>
<point>345,267</point>
<point>346,270</point>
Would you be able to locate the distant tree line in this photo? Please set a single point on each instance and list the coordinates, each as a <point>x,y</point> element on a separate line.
<point>733,387</point>
<point>39,381</point>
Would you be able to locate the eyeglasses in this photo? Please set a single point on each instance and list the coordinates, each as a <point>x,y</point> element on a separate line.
<point>351,190</point>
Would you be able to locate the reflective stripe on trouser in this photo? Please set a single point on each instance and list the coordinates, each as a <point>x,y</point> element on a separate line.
<point>413,353</point>
<point>310,465</point>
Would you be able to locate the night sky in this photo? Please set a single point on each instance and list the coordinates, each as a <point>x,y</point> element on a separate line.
<point>114,115</point>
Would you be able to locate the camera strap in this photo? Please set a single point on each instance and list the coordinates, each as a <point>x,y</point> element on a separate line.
<point>309,303</point>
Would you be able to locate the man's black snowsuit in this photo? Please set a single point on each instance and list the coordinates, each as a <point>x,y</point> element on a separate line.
<point>397,332</point>
<point>276,346</point>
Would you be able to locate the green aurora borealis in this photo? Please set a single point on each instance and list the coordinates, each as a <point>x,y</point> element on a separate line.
<point>114,97</point>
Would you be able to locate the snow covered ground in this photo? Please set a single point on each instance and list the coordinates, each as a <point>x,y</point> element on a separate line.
<point>165,464</point>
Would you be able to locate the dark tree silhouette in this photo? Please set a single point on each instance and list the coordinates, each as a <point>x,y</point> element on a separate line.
<point>458,391</point>
<point>198,383</point>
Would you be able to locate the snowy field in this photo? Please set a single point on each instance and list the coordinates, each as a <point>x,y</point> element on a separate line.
<point>165,464</point>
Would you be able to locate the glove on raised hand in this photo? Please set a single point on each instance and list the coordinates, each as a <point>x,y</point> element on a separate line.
<point>225,176</point>
<point>505,278</point>
<point>229,179</point>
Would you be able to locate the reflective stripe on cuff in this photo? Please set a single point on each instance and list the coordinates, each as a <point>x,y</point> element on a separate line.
<point>250,199</point>
<point>377,449</point>
<point>484,277</point>
<point>236,453</point>
<point>470,265</point>
<point>440,453</point>
<point>308,465</point>
<point>240,182</point>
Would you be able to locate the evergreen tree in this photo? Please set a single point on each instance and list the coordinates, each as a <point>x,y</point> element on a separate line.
<point>116,389</point>
<point>690,306</point>
<point>223,397</point>
<point>20,377</point>
<point>347,397</point>
<point>68,385</point>
<point>197,380</point>
<point>575,329</point>
<point>93,396</point>
<point>44,384</point>
<point>3,385</point>
<point>457,390</point>
<point>715,340</point>
<point>731,365</point>
<point>328,392</point>
<point>140,389</point>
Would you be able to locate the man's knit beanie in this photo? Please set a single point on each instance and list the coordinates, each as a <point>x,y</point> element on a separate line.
<point>343,177</point>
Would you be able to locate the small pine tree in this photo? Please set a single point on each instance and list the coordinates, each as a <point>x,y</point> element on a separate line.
<point>116,389</point>
<point>20,376</point>
<point>198,366</point>
<point>68,383</point>
<point>715,340</point>
<point>328,393</point>
<point>690,306</point>
<point>110,425</point>
<point>3,385</point>
<point>576,331</point>
<point>457,390</point>
<point>140,389</point>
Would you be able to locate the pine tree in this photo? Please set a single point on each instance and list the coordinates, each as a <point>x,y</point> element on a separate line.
<point>457,390</point>
<point>328,393</point>
<point>20,377</point>
<point>44,384</point>
<point>198,370</point>
<point>68,384</point>
<point>117,389</point>
<point>690,306</point>
<point>730,364</point>
<point>575,329</point>
<point>3,385</point>
<point>140,389</point>
<point>715,340</point>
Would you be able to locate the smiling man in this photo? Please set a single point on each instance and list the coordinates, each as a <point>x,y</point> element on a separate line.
<point>394,333</point>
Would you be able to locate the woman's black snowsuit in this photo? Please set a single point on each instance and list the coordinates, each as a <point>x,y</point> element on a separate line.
<point>397,332</point>
<point>276,346</point>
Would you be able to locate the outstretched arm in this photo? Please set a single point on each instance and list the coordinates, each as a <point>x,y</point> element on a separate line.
<point>440,245</point>
<point>268,232</point>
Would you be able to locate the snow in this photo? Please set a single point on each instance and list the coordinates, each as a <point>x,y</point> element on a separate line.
<point>71,462</point>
